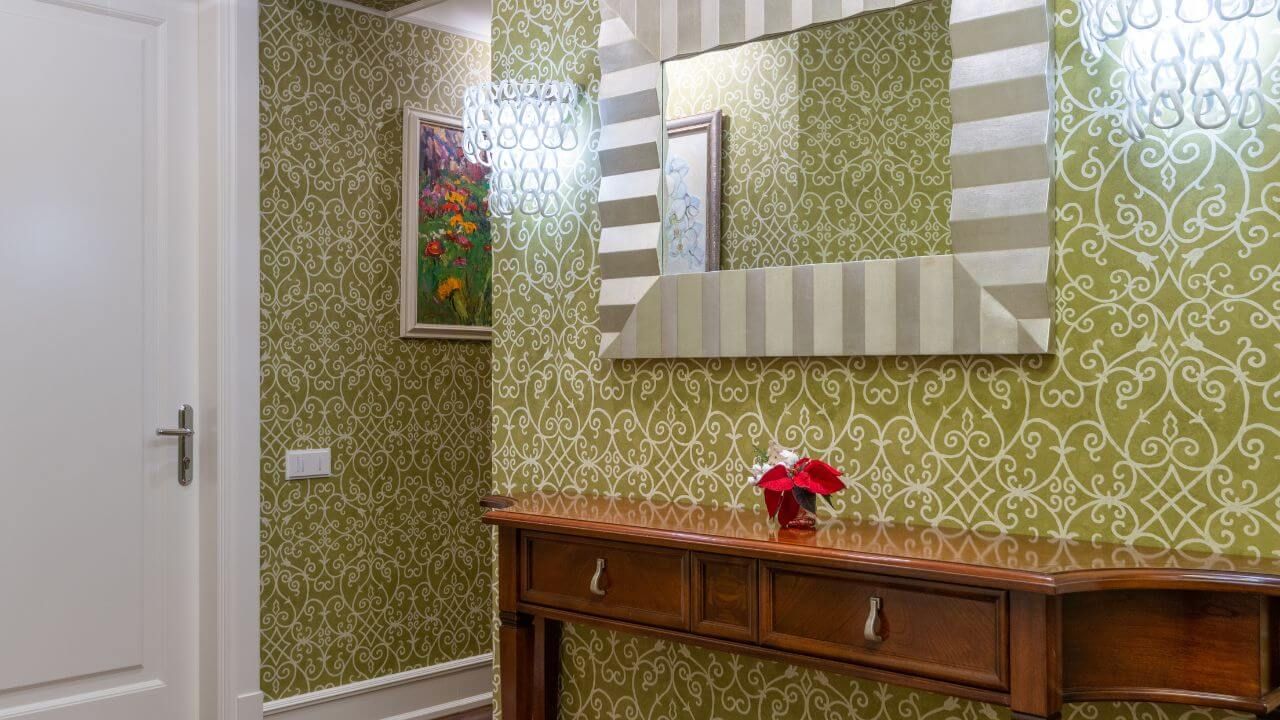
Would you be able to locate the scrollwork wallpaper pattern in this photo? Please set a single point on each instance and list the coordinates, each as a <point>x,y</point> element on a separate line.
<point>837,139</point>
<point>383,567</point>
<point>1158,422</point>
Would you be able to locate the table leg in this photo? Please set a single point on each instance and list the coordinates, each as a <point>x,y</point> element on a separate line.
<point>1035,638</point>
<point>530,667</point>
<point>546,669</point>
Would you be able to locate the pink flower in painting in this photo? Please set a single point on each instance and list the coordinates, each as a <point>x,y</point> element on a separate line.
<point>474,172</point>
<point>460,262</point>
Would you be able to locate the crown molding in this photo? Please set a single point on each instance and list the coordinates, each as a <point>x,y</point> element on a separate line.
<point>445,28</point>
<point>413,7</point>
<point>402,14</point>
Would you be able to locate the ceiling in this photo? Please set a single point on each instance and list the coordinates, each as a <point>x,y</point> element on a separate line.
<point>470,18</point>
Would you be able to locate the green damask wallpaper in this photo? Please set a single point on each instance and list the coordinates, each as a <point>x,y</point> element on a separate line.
<point>837,139</point>
<point>382,567</point>
<point>1158,422</point>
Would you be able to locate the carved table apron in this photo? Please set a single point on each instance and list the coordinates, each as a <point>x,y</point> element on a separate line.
<point>1016,621</point>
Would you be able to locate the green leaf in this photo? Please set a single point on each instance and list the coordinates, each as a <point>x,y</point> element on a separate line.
<point>460,304</point>
<point>807,500</point>
<point>828,499</point>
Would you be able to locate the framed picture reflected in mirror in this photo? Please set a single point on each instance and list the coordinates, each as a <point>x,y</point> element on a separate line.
<point>691,226</point>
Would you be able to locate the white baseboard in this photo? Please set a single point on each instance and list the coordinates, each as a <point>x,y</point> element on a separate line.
<point>249,707</point>
<point>424,694</point>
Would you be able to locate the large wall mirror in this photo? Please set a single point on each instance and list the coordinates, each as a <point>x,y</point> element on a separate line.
<point>835,145</point>
<point>825,177</point>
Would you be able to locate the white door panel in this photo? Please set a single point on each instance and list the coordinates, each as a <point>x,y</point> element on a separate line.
<point>97,247</point>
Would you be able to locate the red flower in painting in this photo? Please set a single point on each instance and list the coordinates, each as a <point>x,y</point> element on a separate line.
<point>435,248</point>
<point>460,262</point>
<point>462,241</point>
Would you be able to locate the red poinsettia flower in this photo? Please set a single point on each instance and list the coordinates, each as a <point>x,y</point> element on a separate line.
<point>777,480</point>
<point>788,489</point>
<point>818,477</point>
<point>782,505</point>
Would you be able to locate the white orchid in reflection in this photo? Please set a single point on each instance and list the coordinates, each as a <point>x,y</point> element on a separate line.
<point>685,237</point>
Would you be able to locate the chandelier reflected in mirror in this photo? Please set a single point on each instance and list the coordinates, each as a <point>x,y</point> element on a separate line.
<point>1184,58</point>
<point>516,129</point>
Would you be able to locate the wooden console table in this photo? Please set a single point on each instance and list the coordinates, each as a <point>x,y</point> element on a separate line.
<point>1025,623</point>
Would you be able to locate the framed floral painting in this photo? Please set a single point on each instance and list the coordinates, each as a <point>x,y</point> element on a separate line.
<point>691,229</point>
<point>447,252</point>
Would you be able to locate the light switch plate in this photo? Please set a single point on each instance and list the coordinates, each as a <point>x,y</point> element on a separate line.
<point>302,464</point>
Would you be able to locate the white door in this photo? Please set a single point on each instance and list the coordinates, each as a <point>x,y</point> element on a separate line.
<point>97,349</point>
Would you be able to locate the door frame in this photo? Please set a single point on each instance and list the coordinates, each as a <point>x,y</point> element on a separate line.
<point>228,447</point>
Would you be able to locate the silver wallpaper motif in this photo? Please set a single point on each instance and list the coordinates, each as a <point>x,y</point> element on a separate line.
<point>383,567</point>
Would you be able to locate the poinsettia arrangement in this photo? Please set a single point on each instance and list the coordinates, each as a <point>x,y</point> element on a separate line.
<point>793,484</point>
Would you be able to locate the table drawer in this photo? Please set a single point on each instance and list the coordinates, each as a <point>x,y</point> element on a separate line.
<point>948,632</point>
<point>725,599</point>
<point>635,583</point>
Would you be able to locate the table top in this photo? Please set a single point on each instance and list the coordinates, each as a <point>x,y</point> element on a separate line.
<point>1045,565</point>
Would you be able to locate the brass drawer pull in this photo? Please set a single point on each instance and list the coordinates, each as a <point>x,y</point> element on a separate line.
<point>595,579</point>
<point>872,631</point>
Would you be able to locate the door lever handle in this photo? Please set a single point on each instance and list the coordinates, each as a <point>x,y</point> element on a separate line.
<point>175,432</point>
<point>872,631</point>
<point>186,434</point>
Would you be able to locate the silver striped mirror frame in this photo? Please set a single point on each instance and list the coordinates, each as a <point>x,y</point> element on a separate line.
<point>993,295</point>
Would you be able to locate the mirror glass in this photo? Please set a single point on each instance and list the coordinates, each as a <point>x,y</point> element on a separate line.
<point>835,146</point>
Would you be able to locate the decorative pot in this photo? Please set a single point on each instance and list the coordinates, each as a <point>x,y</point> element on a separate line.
<point>804,520</point>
